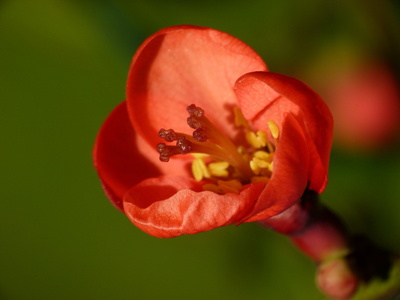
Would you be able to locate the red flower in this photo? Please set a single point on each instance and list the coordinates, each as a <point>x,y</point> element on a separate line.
<point>369,89</point>
<point>255,163</point>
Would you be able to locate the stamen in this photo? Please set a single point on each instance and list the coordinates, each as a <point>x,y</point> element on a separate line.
<point>263,155</point>
<point>254,167</point>
<point>273,128</point>
<point>216,157</point>
<point>186,144</point>
<point>257,139</point>
<point>199,169</point>
<point>263,164</point>
<point>206,131</point>
<point>219,168</point>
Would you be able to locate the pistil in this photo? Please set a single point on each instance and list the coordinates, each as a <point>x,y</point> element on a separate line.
<point>217,159</point>
<point>206,131</point>
<point>206,138</point>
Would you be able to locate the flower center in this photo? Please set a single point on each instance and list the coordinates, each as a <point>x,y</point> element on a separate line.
<point>224,166</point>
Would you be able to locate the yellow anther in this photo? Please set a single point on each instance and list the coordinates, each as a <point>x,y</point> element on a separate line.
<point>273,128</point>
<point>230,186</point>
<point>257,140</point>
<point>254,167</point>
<point>263,164</point>
<point>262,138</point>
<point>219,168</point>
<point>262,155</point>
<point>260,179</point>
<point>223,165</point>
<point>251,138</point>
<point>199,169</point>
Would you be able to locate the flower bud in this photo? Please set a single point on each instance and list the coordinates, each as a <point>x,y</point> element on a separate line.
<point>365,103</point>
<point>336,280</point>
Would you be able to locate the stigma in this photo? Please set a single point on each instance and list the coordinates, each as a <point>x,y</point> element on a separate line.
<point>224,166</point>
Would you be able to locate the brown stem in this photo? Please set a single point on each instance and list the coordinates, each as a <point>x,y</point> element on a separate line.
<point>344,261</point>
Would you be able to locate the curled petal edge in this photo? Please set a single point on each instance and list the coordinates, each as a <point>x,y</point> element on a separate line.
<point>170,206</point>
<point>290,176</point>
<point>267,95</point>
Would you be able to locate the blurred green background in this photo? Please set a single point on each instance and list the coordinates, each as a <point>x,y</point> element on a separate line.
<point>63,66</point>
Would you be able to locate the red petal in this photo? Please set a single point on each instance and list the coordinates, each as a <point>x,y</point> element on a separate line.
<point>122,159</point>
<point>267,96</point>
<point>184,65</point>
<point>170,206</point>
<point>290,176</point>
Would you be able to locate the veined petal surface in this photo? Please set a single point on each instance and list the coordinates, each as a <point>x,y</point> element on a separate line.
<point>170,206</point>
<point>182,65</point>
<point>265,95</point>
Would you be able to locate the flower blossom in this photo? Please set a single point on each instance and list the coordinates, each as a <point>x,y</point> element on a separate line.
<point>365,103</point>
<point>208,137</point>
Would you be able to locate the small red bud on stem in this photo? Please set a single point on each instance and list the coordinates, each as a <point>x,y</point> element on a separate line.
<point>345,262</point>
<point>336,279</point>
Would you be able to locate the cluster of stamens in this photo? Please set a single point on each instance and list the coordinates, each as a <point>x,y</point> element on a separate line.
<point>217,160</point>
